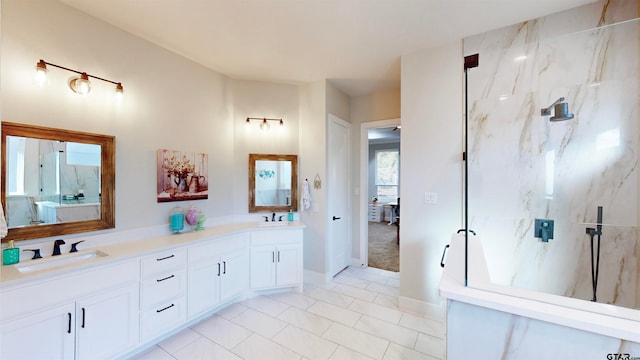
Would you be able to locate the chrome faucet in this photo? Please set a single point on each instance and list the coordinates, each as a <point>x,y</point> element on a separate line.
<point>56,247</point>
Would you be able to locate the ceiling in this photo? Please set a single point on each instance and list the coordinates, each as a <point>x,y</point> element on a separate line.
<point>356,44</point>
<point>384,134</point>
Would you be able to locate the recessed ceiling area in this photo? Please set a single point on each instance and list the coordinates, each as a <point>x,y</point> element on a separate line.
<point>356,44</point>
<point>384,134</point>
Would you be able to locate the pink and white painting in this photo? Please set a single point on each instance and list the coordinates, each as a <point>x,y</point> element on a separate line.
<point>181,175</point>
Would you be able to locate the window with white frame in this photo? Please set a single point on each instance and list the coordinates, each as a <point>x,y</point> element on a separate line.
<point>387,175</point>
<point>15,165</point>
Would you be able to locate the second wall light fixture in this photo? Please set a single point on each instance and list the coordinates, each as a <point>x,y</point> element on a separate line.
<point>80,84</point>
<point>264,122</point>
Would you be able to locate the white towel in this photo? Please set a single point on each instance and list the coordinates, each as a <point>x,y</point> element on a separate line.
<point>306,195</point>
<point>3,224</point>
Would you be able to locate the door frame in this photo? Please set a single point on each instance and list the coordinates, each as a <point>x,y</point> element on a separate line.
<point>331,118</point>
<point>364,183</point>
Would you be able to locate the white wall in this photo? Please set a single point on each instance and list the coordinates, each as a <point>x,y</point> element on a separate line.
<point>313,162</point>
<point>431,161</point>
<point>169,102</point>
<point>260,99</point>
<point>377,106</point>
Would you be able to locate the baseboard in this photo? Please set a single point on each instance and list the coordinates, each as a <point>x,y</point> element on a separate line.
<point>314,278</point>
<point>430,310</point>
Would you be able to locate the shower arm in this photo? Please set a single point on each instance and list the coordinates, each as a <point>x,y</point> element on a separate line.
<point>547,111</point>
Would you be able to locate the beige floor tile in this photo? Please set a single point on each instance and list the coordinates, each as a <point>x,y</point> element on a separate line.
<point>431,345</point>
<point>331,297</point>
<point>357,340</point>
<point>180,340</point>
<point>257,347</point>
<point>204,348</point>
<point>266,305</point>
<point>222,331</point>
<point>260,323</point>
<point>397,352</point>
<point>423,325</point>
<point>309,345</point>
<point>394,333</point>
<point>305,320</point>
<point>155,353</point>
<point>354,292</point>
<point>376,311</point>
<point>294,299</point>
<point>343,353</point>
<point>335,313</point>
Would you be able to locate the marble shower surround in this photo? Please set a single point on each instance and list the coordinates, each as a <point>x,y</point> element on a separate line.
<point>523,167</point>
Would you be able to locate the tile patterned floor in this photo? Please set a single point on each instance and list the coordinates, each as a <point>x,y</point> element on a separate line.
<point>355,316</point>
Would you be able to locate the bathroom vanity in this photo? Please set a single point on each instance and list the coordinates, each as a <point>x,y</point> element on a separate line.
<point>127,296</point>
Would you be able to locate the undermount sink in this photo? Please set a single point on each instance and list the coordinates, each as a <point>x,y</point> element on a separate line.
<point>273,223</point>
<point>59,260</point>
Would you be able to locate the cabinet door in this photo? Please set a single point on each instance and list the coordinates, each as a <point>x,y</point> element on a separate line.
<point>263,266</point>
<point>203,287</point>
<point>234,275</point>
<point>107,324</point>
<point>45,335</point>
<point>288,264</point>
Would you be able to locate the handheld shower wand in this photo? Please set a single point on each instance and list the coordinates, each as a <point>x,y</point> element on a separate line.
<point>595,262</point>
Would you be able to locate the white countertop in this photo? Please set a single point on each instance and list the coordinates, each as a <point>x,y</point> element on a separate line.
<point>124,250</point>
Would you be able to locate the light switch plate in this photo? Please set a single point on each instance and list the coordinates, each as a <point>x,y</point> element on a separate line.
<point>430,198</point>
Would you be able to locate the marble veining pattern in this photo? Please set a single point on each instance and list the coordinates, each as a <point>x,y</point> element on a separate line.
<point>523,167</point>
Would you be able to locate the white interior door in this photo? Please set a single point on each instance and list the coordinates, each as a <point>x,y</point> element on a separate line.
<point>339,252</point>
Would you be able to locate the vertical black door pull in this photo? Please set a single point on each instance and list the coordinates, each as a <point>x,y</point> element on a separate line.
<point>83,315</point>
<point>69,328</point>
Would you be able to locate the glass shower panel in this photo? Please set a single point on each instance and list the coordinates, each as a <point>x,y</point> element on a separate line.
<point>524,167</point>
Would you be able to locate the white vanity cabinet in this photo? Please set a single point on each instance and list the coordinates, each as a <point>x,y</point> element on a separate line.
<point>276,259</point>
<point>101,325</point>
<point>217,273</point>
<point>163,290</point>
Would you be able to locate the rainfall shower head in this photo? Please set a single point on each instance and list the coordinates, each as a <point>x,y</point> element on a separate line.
<point>560,109</point>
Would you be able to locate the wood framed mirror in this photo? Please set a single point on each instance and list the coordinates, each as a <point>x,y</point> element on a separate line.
<point>55,181</point>
<point>273,183</point>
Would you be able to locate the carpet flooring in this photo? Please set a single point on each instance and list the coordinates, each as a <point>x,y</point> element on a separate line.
<point>383,248</point>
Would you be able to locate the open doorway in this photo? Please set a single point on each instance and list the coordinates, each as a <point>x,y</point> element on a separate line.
<point>380,184</point>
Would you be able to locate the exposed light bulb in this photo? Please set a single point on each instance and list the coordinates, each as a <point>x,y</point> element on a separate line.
<point>41,73</point>
<point>81,85</point>
<point>264,125</point>
<point>119,91</point>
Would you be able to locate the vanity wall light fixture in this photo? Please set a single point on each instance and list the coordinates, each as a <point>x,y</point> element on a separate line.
<point>264,122</point>
<point>80,84</point>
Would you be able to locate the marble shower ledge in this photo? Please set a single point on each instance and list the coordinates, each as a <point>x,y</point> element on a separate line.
<point>498,298</point>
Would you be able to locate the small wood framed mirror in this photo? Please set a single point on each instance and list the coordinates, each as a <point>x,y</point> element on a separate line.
<point>273,183</point>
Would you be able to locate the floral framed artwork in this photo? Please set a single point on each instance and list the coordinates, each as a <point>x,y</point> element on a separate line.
<point>181,175</point>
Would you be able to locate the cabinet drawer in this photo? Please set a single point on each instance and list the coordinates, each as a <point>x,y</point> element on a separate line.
<point>163,287</point>
<point>67,287</point>
<point>163,262</point>
<point>275,236</point>
<point>162,317</point>
<point>208,250</point>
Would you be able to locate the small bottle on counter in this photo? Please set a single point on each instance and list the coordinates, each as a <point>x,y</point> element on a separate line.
<point>176,220</point>
<point>290,216</point>
<point>10,255</point>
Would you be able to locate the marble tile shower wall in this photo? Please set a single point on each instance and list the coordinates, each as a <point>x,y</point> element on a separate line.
<point>523,167</point>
